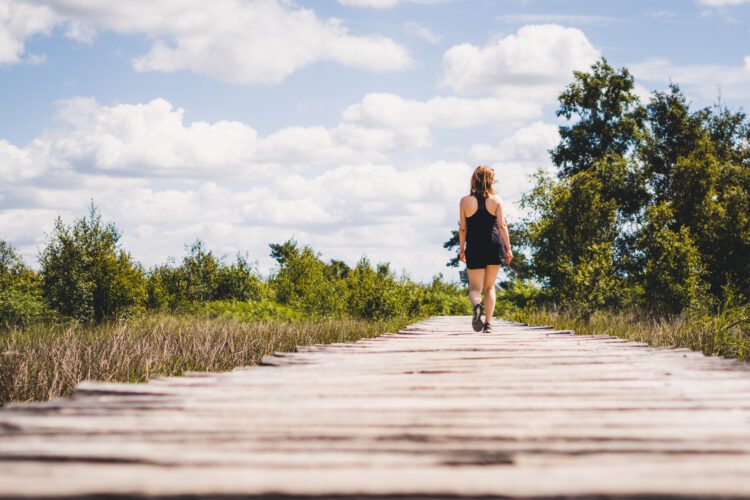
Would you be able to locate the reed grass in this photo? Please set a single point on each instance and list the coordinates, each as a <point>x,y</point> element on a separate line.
<point>726,333</point>
<point>47,360</point>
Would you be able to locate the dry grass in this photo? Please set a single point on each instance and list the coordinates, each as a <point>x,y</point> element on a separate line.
<point>46,361</point>
<point>726,334</point>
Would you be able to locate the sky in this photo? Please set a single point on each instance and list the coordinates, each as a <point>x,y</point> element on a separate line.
<point>352,126</point>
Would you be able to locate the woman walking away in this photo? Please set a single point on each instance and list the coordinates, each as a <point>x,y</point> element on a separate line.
<point>484,244</point>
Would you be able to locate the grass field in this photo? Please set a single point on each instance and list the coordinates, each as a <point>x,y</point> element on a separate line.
<point>45,361</point>
<point>726,334</point>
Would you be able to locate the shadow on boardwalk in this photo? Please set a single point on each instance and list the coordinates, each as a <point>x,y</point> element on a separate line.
<point>436,411</point>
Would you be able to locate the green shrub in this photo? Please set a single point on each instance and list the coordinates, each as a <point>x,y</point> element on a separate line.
<point>86,275</point>
<point>18,308</point>
<point>303,281</point>
<point>202,277</point>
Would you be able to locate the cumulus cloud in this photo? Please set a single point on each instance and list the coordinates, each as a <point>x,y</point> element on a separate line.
<point>260,42</point>
<point>700,81</point>
<point>423,32</point>
<point>384,4</point>
<point>533,64</point>
<point>529,144</point>
<point>392,111</point>
<point>556,18</point>
<point>19,21</point>
<point>722,3</point>
<point>345,212</point>
<point>239,190</point>
<point>152,139</point>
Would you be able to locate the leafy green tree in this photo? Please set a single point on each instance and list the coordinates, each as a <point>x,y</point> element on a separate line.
<point>304,281</point>
<point>610,118</point>
<point>572,236</point>
<point>373,293</point>
<point>14,273</point>
<point>673,272</point>
<point>202,277</point>
<point>86,275</point>
<point>20,290</point>
<point>673,132</point>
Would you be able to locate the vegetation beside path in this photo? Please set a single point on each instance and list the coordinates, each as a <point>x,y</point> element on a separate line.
<point>718,334</point>
<point>91,311</point>
<point>44,361</point>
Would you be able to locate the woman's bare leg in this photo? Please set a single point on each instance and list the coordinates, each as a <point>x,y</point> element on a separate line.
<point>476,278</point>
<point>488,286</point>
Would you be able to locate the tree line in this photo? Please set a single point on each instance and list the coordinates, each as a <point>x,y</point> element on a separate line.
<point>649,205</point>
<point>86,275</point>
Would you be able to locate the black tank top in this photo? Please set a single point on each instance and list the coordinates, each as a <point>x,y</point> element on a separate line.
<point>481,227</point>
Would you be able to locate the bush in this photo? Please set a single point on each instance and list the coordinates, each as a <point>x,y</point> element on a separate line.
<point>202,277</point>
<point>305,282</point>
<point>18,308</point>
<point>20,293</point>
<point>85,273</point>
<point>374,294</point>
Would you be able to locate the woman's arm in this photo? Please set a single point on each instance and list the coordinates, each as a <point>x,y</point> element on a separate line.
<point>503,231</point>
<point>461,232</point>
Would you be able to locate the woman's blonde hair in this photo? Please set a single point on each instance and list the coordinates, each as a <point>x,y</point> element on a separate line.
<point>481,181</point>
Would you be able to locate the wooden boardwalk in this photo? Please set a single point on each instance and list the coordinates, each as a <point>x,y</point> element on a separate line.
<point>436,411</point>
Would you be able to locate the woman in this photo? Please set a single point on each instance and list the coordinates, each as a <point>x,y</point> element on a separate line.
<point>484,244</point>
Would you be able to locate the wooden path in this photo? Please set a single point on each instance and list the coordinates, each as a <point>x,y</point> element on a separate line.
<point>436,411</point>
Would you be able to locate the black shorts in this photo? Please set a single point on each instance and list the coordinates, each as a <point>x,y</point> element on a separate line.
<point>482,256</point>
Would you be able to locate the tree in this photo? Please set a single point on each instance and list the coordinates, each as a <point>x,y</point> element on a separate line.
<point>673,132</point>
<point>20,290</point>
<point>571,233</point>
<point>610,118</point>
<point>202,277</point>
<point>673,271</point>
<point>304,281</point>
<point>86,275</point>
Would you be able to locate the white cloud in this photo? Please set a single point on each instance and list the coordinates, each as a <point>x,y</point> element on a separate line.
<point>152,139</point>
<point>19,21</point>
<point>336,188</point>
<point>238,190</point>
<point>234,41</point>
<point>16,163</point>
<point>534,63</point>
<point>722,3</point>
<point>556,18</point>
<point>374,4</point>
<point>529,144</point>
<point>423,32</point>
<point>384,4</point>
<point>345,212</point>
<point>660,14</point>
<point>699,81</point>
<point>392,111</point>
<point>146,139</point>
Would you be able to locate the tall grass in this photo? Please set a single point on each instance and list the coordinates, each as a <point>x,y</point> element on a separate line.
<point>45,361</point>
<point>726,333</point>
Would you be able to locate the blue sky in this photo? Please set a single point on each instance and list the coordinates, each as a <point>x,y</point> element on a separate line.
<point>351,125</point>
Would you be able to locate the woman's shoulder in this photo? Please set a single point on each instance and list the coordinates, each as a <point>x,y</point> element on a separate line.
<point>466,198</point>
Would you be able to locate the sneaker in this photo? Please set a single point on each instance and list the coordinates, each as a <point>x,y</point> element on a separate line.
<point>487,328</point>
<point>476,320</point>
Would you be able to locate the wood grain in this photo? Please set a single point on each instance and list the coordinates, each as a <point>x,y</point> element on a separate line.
<point>435,410</point>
